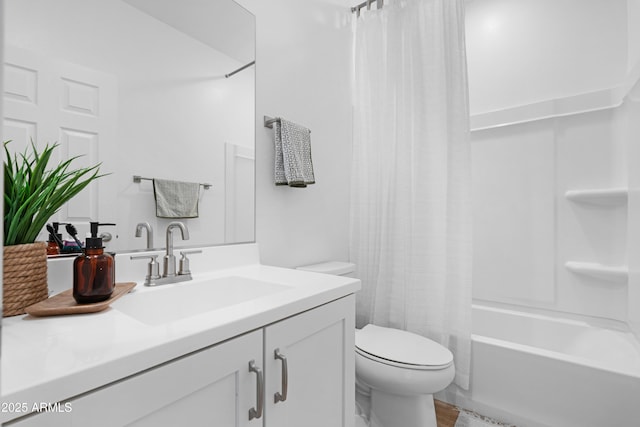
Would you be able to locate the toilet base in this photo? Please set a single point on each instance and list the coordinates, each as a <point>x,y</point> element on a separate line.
<point>391,410</point>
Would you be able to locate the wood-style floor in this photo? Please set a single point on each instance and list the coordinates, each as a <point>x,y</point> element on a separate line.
<point>446,414</point>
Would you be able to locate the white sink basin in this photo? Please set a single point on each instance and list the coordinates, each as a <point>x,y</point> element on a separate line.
<point>168,303</point>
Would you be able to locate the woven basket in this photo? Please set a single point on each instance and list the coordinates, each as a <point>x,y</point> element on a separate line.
<point>24,278</point>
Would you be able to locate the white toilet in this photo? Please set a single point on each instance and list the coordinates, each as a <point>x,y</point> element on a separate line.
<point>397,372</point>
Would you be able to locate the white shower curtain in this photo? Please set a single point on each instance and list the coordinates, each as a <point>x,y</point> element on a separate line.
<point>410,210</point>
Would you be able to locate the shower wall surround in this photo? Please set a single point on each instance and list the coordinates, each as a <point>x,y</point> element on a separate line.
<point>526,230</point>
<point>512,62</point>
<point>631,112</point>
<point>563,122</point>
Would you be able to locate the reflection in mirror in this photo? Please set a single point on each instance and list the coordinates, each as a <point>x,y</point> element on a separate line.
<point>140,86</point>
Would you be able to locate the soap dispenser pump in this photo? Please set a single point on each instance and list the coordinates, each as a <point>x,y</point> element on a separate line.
<point>93,271</point>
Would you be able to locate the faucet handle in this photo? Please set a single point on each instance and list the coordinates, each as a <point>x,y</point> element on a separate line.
<point>153,268</point>
<point>184,261</point>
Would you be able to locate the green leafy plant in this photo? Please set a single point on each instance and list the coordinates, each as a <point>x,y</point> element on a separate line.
<point>33,192</point>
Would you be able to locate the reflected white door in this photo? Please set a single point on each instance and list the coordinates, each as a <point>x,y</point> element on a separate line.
<point>239,194</point>
<point>51,101</point>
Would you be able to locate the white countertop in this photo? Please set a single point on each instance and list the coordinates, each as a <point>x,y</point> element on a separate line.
<point>52,359</point>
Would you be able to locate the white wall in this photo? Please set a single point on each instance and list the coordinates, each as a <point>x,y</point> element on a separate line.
<point>303,72</point>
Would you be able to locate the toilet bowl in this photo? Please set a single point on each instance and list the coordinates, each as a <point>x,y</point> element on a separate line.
<point>402,372</point>
<point>397,372</point>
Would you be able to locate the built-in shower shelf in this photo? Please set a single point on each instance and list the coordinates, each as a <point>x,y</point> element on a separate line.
<point>605,196</point>
<point>614,274</point>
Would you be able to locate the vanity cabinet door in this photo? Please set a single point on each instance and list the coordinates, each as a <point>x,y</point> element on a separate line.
<point>212,387</point>
<point>318,346</point>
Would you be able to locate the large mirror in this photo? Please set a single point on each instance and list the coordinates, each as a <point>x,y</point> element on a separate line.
<point>144,87</point>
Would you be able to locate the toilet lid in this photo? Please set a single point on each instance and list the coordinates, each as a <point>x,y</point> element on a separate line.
<point>402,347</point>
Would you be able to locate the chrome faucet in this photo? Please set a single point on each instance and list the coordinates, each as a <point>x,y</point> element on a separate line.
<point>169,269</point>
<point>146,226</point>
<point>169,275</point>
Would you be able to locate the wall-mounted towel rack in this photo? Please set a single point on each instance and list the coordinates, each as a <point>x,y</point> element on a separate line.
<point>137,179</point>
<point>269,121</point>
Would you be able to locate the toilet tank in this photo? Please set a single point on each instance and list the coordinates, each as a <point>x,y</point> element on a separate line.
<point>336,268</point>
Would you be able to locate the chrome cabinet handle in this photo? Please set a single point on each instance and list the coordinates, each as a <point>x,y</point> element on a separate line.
<point>281,397</point>
<point>257,412</point>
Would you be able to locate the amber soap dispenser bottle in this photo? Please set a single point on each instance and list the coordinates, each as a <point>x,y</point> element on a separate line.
<point>93,271</point>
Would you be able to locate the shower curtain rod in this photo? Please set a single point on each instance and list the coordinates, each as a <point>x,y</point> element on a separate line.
<point>356,9</point>
<point>239,69</point>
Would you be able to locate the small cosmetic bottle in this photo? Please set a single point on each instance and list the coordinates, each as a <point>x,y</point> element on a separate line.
<point>55,240</point>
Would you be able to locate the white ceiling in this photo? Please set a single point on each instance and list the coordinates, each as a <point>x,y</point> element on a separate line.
<point>221,24</point>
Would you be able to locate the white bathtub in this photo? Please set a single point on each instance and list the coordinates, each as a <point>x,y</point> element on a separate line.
<point>536,370</point>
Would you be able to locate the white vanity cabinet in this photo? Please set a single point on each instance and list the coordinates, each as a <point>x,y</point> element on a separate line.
<point>212,387</point>
<point>319,349</point>
<point>215,386</point>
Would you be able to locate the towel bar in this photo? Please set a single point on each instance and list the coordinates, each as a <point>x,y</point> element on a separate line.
<point>137,179</point>
<point>269,121</point>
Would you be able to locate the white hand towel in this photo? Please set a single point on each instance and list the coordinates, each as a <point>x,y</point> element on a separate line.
<point>293,165</point>
<point>176,199</point>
